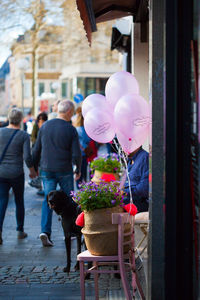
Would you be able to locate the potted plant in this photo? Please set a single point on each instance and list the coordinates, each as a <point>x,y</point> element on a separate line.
<point>98,202</point>
<point>105,165</point>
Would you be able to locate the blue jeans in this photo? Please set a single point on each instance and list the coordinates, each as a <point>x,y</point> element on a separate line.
<point>17,184</point>
<point>50,181</point>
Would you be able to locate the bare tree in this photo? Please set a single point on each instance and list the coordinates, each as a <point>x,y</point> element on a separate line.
<point>32,17</point>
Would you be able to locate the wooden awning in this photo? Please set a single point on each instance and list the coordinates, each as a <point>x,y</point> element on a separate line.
<point>96,11</point>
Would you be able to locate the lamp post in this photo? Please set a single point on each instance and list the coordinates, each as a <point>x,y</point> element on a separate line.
<point>22,64</point>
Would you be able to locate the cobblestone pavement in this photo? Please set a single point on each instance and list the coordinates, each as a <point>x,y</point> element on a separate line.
<point>30,271</point>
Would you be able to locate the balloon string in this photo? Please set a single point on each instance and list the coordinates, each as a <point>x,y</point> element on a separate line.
<point>128,177</point>
<point>123,157</point>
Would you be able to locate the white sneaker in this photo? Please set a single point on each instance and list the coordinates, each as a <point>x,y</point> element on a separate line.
<point>46,241</point>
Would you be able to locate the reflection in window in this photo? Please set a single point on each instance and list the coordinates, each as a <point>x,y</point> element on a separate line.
<point>95,85</point>
<point>90,86</point>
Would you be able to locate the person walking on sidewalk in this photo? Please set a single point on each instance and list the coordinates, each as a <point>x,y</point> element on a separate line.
<point>14,147</point>
<point>84,140</point>
<point>41,118</point>
<point>57,148</point>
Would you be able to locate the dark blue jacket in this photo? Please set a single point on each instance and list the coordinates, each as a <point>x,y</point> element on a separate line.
<point>138,168</point>
<point>57,147</point>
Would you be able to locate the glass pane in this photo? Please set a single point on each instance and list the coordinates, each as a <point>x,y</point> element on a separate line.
<point>51,89</point>
<point>41,88</point>
<point>101,82</point>
<point>64,89</point>
<point>90,86</point>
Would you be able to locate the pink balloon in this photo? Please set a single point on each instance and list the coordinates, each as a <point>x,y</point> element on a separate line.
<point>92,101</point>
<point>130,144</point>
<point>132,116</point>
<point>118,85</point>
<point>99,125</point>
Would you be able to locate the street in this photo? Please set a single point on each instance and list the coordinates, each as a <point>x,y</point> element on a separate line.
<point>29,271</point>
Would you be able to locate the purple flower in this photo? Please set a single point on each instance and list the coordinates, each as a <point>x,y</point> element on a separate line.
<point>113,202</point>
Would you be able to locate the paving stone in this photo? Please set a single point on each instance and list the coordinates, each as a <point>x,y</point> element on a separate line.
<point>37,269</point>
<point>29,271</point>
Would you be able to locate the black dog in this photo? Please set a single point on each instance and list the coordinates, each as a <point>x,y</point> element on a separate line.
<point>68,210</point>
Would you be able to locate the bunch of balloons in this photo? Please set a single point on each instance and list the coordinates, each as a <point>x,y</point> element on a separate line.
<point>122,113</point>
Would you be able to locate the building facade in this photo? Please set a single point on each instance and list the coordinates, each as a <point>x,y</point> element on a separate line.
<point>87,68</point>
<point>47,83</point>
<point>4,87</point>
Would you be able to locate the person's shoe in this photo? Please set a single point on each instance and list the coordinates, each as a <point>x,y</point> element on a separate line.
<point>46,241</point>
<point>21,235</point>
<point>1,240</point>
<point>36,183</point>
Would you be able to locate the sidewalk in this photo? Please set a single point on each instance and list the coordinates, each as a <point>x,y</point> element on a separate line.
<point>29,271</point>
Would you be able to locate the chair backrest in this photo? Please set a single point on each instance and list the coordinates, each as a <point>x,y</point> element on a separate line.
<point>125,224</point>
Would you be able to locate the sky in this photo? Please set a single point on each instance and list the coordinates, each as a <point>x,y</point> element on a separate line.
<point>5,49</point>
<point>15,24</point>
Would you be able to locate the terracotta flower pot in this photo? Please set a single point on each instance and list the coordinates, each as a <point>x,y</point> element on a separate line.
<point>101,236</point>
<point>98,174</point>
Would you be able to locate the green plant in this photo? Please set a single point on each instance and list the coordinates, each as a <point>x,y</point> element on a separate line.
<point>94,196</point>
<point>108,164</point>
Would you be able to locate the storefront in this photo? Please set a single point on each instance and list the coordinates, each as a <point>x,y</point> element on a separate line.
<point>174,52</point>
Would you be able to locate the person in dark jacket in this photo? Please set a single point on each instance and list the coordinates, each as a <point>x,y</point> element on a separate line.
<point>57,149</point>
<point>41,118</point>
<point>15,144</point>
<point>138,169</point>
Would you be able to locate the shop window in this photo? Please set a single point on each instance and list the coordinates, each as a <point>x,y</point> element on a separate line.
<point>64,89</point>
<point>102,84</point>
<point>95,85</point>
<point>90,86</point>
<point>81,85</point>
<point>41,88</point>
<point>51,88</point>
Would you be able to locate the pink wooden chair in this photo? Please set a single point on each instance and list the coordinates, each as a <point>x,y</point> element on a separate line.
<point>120,260</point>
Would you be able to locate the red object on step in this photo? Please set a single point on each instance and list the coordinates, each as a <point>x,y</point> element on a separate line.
<point>80,220</point>
<point>131,208</point>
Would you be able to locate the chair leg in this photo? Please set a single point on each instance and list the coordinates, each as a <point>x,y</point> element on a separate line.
<point>96,276</point>
<point>82,280</point>
<point>125,281</point>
